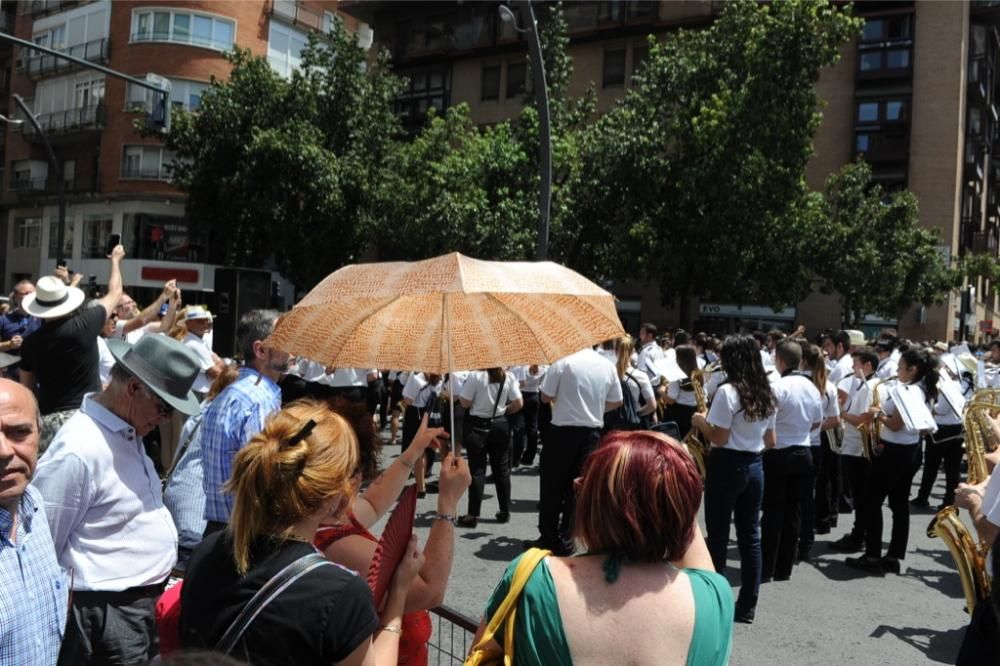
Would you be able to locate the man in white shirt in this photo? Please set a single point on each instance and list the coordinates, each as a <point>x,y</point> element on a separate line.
<point>841,344</point>
<point>104,506</point>
<point>787,465</point>
<point>649,353</point>
<point>581,387</point>
<point>887,362</point>
<point>198,320</point>
<point>859,389</point>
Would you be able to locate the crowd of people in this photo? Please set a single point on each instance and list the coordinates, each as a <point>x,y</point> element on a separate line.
<point>132,455</point>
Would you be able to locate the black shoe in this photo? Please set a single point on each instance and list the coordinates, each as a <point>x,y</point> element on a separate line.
<point>823,529</point>
<point>920,502</point>
<point>421,494</point>
<point>432,486</point>
<point>782,579</point>
<point>468,521</point>
<point>491,479</point>
<point>744,615</point>
<point>890,565</point>
<point>847,544</point>
<point>503,516</point>
<point>805,554</point>
<point>865,563</point>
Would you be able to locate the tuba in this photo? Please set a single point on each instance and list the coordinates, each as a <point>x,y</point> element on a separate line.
<point>696,446</point>
<point>970,557</point>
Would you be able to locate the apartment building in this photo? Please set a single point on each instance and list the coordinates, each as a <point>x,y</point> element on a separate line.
<point>115,180</point>
<point>916,95</point>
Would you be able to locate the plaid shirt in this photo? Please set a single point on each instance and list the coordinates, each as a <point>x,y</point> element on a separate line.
<point>33,589</point>
<point>235,416</point>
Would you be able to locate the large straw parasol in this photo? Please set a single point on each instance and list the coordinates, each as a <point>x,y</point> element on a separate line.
<point>449,312</point>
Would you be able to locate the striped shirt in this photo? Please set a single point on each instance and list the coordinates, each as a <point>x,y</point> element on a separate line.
<point>235,416</point>
<point>33,590</point>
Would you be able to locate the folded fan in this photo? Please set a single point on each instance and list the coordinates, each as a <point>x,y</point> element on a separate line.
<point>392,545</point>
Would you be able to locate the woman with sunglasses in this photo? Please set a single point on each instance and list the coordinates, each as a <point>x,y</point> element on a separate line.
<point>644,592</point>
<point>285,482</point>
<point>348,541</point>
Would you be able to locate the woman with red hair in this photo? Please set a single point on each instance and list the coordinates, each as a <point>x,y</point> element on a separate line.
<point>646,568</point>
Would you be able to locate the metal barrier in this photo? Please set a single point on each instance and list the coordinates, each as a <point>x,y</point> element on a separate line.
<point>452,637</point>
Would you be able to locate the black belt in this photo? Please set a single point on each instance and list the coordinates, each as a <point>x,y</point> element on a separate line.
<point>734,453</point>
<point>121,596</point>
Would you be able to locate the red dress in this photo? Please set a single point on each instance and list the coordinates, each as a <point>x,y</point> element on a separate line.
<point>417,627</point>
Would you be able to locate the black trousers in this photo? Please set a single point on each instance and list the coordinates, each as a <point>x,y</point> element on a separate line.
<point>566,448</point>
<point>786,473</point>
<point>981,643</point>
<point>946,446</point>
<point>889,477</point>
<point>828,484</point>
<point>856,478</point>
<point>526,442</point>
<point>496,448</point>
<point>810,490</point>
<point>111,628</point>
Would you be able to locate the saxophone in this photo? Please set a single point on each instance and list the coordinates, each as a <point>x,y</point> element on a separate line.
<point>970,557</point>
<point>696,446</point>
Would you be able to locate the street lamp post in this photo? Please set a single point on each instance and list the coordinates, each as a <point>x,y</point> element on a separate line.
<point>545,132</point>
<point>56,169</point>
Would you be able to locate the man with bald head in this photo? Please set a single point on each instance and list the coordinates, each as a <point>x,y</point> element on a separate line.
<point>35,594</point>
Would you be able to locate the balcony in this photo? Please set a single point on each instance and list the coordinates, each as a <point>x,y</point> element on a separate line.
<point>7,22</point>
<point>28,189</point>
<point>38,8</point>
<point>295,13</point>
<point>39,65</point>
<point>67,126</point>
<point>135,172</point>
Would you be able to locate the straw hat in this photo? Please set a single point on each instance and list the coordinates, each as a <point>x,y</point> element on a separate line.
<point>968,361</point>
<point>52,298</point>
<point>857,338</point>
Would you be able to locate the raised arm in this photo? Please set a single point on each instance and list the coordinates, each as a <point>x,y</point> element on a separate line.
<point>110,299</point>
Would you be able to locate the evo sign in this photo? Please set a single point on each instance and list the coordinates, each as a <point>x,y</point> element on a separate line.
<point>729,310</point>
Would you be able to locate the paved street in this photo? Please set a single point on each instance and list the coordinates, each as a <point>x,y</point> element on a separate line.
<point>826,614</point>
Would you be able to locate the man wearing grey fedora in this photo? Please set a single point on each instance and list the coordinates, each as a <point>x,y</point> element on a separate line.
<point>104,505</point>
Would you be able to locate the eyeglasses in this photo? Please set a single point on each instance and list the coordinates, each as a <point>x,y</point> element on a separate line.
<point>162,407</point>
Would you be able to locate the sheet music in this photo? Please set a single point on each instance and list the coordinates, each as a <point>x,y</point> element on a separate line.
<point>980,374</point>
<point>958,350</point>
<point>951,391</point>
<point>951,362</point>
<point>667,367</point>
<point>909,400</point>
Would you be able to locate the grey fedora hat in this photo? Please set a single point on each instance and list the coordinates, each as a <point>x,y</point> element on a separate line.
<point>166,366</point>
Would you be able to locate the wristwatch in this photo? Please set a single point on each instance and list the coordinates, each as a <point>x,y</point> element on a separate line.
<point>445,516</point>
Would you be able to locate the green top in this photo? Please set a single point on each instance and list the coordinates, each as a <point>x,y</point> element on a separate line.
<point>541,641</point>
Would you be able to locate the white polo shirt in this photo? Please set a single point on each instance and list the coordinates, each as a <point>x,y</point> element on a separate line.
<point>831,408</point>
<point>903,435</point>
<point>887,367</point>
<point>858,400</point>
<point>419,392</point>
<point>844,367</point>
<point>727,412</point>
<point>529,382</point>
<point>349,377</point>
<point>104,505</point>
<point>580,385</point>
<point>680,395</point>
<point>639,386</point>
<point>483,395</point>
<point>799,407</point>
<point>649,354</point>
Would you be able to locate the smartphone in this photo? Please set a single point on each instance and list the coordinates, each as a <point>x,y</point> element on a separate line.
<point>113,241</point>
<point>61,263</point>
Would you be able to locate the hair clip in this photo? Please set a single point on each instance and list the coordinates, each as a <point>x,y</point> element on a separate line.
<point>304,432</point>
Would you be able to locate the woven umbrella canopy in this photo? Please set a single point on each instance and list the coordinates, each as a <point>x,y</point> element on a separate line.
<point>449,312</point>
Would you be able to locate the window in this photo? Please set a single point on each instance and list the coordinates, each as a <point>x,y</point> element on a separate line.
<point>88,93</point>
<point>862,141</point>
<point>164,25</point>
<point>328,19</point>
<point>611,12</point>
<point>868,112</point>
<point>639,56</point>
<point>614,68</point>
<point>184,94</point>
<point>886,45</point>
<point>870,62</point>
<point>28,232</point>
<point>427,87</point>
<point>96,229</point>
<point>897,59</point>
<point>147,162</point>
<point>516,78</point>
<point>284,48</point>
<point>491,82</point>
<point>54,238</point>
<point>894,110</point>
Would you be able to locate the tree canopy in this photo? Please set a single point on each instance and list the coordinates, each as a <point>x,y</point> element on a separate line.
<point>694,181</point>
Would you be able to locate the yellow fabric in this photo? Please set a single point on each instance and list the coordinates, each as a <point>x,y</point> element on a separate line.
<point>483,653</point>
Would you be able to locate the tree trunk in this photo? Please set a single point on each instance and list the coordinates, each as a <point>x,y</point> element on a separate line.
<point>684,304</point>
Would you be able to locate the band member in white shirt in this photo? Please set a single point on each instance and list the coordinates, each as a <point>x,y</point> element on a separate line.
<point>887,362</point>
<point>859,388</point>
<point>892,469</point>
<point>738,424</point>
<point>649,352</point>
<point>788,464</point>
<point>817,503</point>
<point>529,378</point>
<point>681,400</point>
<point>947,445</point>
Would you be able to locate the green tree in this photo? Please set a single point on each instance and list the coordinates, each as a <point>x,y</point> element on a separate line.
<point>873,252</point>
<point>696,179</point>
<point>286,172</point>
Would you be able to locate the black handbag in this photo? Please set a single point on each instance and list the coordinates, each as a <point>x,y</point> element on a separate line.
<point>479,431</point>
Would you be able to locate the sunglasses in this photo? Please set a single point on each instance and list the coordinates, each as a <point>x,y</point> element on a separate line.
<point>162,407</point>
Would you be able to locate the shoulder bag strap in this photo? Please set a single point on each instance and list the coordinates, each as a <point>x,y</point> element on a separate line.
<point>181,452</point>
<point>265,595</point>
<point>496,403</point>
<point>507,608</point>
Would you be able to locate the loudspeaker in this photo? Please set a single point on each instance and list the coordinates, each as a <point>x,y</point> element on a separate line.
<point>237,292</point>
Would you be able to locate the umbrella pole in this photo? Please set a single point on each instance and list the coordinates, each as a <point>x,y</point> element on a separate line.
<point>451,378</point>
